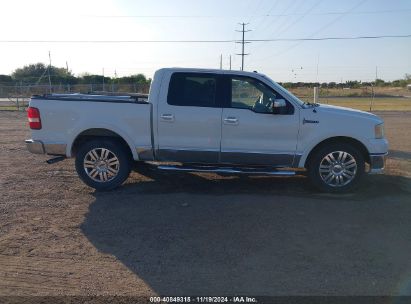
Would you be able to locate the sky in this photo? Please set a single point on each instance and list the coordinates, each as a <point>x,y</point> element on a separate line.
<point>125,20</point>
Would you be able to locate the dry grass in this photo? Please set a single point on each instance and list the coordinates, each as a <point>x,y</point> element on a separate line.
<point>359,92</point>
<point>368,104</point>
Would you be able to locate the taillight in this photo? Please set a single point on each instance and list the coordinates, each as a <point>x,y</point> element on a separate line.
<point>33,114</point>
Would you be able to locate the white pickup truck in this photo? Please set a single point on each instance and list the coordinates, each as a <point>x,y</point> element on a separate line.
<point>196,120</point>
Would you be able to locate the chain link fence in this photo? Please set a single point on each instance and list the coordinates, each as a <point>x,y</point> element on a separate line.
<point>16,97</point>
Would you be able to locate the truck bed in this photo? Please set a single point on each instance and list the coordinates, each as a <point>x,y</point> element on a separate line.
<point>63,121</point>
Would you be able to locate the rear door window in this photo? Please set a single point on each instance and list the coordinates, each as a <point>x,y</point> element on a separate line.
<point>192,89</point>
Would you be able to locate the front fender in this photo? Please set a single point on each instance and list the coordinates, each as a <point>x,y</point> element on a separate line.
<point>315,142</point>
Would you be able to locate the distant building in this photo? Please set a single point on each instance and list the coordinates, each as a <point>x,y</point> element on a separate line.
<point>409,87</point>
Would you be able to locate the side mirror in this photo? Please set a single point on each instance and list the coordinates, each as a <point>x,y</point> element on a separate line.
<point>279,103</point>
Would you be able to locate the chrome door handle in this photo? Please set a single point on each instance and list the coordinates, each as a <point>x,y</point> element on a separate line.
<point>167,117</point>
<point>231,121</point>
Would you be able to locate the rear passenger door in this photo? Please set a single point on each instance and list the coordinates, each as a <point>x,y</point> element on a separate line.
<point>189,122</point>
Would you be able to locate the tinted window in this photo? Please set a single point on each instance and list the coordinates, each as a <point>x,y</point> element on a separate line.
<point>192,90</point>
<point>249,93</point>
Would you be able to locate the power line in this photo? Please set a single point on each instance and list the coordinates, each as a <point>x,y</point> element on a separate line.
<point>405,10</point>
<point>322,28</point>
<point>342,13</point>
<point>256,8</point>
<point>270,22</point>
<point>329,38</point>
<point>302,16</point>
<point>285,21</point>
<point>117,41</point>
<point>282,31</point>
<point>263,19</point>
<point>209,41</point>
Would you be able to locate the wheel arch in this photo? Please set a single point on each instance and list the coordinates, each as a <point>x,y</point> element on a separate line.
<point>333,140</point>
<point>92,133</point>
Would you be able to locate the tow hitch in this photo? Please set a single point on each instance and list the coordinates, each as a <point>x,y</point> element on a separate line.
<point>55,160</point>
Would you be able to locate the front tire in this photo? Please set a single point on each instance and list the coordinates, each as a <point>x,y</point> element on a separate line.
<point>103,164</point>
<point>336,168</point>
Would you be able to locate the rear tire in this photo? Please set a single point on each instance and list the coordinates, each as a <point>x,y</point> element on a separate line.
<point>103,164</point>
<point>336,168</point>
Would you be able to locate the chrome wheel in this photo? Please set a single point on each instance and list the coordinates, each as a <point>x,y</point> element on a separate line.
<point>338,168</point>
<point>101,165</point>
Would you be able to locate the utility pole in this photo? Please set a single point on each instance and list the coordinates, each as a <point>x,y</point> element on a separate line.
<point>67,73</point>
<point>104,87</point>
<point>372,88</point>
<point>230,62</point>
<point>49,71</point>
<point>221,61</point>
<point>115,78</point>
<point>242,44</point>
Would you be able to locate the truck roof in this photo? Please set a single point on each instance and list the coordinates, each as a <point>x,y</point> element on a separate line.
<point>215,71</point>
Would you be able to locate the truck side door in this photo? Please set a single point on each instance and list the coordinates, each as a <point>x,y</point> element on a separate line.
<point>189,121</point>
<point>252,131</point>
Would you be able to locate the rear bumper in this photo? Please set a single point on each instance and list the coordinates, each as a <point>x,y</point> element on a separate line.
<point>377,163</point>
<point>38,147</point>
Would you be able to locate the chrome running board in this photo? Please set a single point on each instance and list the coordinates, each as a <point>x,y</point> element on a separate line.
<point>227,170</point>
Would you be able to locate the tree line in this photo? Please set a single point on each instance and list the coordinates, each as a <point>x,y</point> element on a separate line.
<point>38,73</point>
<point>352,84</point>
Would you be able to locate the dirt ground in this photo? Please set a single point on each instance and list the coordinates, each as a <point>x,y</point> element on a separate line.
<point>187,234</point>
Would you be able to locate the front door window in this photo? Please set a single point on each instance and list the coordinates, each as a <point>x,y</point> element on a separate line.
<point>248,93</point>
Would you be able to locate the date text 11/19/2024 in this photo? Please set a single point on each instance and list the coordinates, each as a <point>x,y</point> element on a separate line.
<point>203,299</point>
